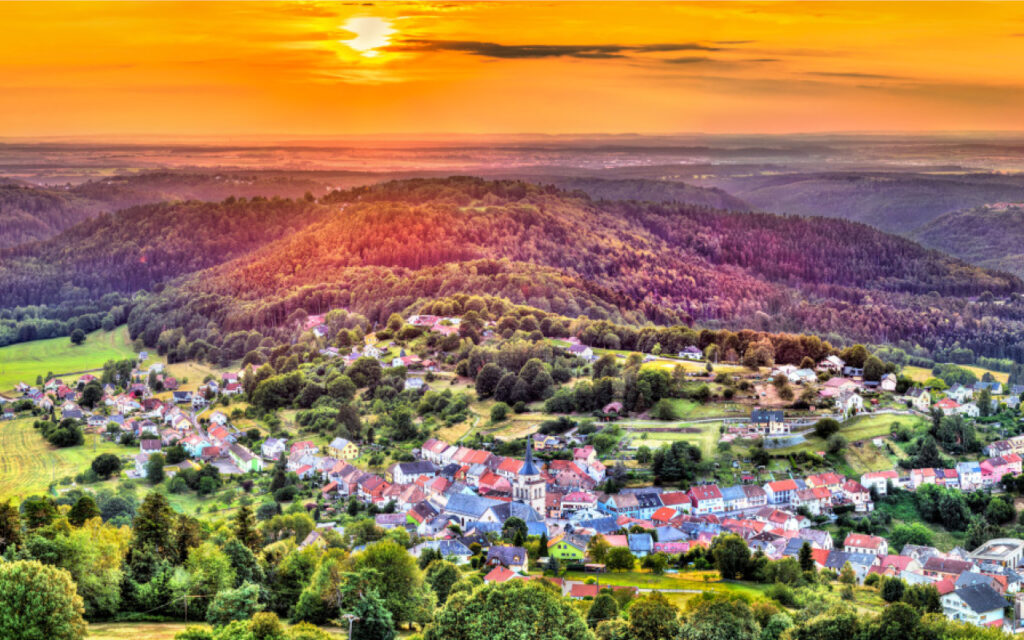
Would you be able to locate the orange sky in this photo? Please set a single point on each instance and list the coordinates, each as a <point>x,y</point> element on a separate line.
<point>97,69</point>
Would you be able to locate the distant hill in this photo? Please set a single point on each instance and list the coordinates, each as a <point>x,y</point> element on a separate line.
<point>381,249</point>
<point>989,236</point>
<point>892,201</point>
<point>30,213</point>
<point>648,190</point>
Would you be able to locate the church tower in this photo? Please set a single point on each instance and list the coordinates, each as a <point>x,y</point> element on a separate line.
<point>530,486</point>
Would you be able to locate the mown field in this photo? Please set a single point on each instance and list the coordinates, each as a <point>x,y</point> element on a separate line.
<point>28,464</point>
<point>921,374</point>
<point>24,361</point>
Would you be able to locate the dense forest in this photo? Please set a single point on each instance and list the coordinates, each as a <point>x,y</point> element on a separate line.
<point>892,201</point>
<point>987,236</point>
<point>28,213</point>
<point>375,250</point>
<point>383,247</point>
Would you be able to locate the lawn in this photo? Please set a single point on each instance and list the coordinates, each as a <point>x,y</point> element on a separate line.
<point>863,427</point>
<point>706,439</point>
<point>29,464</point>
<point>688,580</point>
<point>24,361</point>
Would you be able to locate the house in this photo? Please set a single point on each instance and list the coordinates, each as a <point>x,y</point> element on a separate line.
<point>888,382</point>
<point>305,446</point>
<point>273,448</point>
<point>408,472</point>
<point>734,498</point>
<point>582,351</point>
<point>971,410</point>
<point>977,604</point>
<point>706,499</point>
<point>948,406</point>
<point>833,364</point>
<point>969,474</point>
<point>863,543</point>
<point>849,402</point>
<point>148,445</point>
<point>582,591</point>
<point>816,500</point>
<point>182,397</point>
<point>993,388</point>
<point>691,353</point>
<point>756,496</point>
<point>499,574</point>
<point>244,459</point>
<point>917,398</point>
<point>514,558</point>
<point>960,393</point>
<point>940,568</point>
<point>780,491</point>
<point>342,449</point>
<point>768,421</point>
<point>640,544</point>
<point>568,548</point>
<point>1005,552</point>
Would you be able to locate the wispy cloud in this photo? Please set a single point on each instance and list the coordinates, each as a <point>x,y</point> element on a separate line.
<point>528,51</point>
<point>854,75</point>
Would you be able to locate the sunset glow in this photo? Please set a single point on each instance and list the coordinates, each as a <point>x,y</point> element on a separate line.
<point>325,69</point>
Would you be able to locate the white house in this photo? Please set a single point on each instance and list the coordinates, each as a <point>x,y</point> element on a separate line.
<point>976,604</point>
<point>888,382</point>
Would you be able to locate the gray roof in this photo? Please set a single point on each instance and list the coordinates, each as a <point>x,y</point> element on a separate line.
<point>507,555</point>
<point>981,598</point>
<point>468,505</point>
<point>526,513</point>
<point>418,468</point>
<point>766,415</point>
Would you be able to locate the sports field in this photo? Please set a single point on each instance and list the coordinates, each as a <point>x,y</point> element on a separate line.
<point>24,361</point>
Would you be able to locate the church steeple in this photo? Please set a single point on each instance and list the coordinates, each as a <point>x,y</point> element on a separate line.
<point>528,467</point>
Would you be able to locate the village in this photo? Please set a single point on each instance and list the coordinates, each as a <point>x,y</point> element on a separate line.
<point>455,500</point>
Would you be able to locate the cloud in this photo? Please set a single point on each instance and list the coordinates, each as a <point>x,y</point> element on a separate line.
<point>852,74</point>
<point>536,51</point>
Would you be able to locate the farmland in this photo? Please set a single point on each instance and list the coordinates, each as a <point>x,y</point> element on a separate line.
<point>29,464</point>
<point>24,361</point>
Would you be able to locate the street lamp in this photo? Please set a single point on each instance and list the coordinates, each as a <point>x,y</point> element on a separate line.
<point>351,617</point>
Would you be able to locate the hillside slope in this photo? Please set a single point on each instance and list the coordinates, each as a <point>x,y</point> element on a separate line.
<point>988,236</point>
<point>894,202</point>
<point>381,248</point>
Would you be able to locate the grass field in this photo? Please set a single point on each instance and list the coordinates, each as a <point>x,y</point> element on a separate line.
<point>921,374</point>
<point>154,630</point>
<point>29,464</point>
<point>24,361</point>
<point>706,439</point>
<point>860,428</point>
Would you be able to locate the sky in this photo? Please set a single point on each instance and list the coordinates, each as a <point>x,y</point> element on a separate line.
<point>336,69</point>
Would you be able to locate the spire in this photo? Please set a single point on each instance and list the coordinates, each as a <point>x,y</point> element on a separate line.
<point>528,467</point>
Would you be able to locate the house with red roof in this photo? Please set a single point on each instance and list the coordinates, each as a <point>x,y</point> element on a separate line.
<point>948,406</point>
<point>816,500</point>
<point>580,590</point>
<point>706,498</point>
<point>780,491</point>
<point>863,543</point>
<point>499,574</point>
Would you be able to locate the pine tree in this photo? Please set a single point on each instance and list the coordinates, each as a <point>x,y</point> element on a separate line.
<point>245,529</point>
<point>543,550</point>
<point>84,509</point>
<point>373,621</point>
<point>806,557</point>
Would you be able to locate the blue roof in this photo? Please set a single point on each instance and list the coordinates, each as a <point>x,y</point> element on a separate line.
<point>536,528</point>
<point>602,525</point>
<point>641,542</point>
<point>732,493</point>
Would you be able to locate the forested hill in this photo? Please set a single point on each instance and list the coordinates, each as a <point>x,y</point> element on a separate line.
<point>382,248</point>
<point>30,213</point>
<point>646,191</point>
<point>892,201</point>
<point>142,247</point>
<point>991,236</point>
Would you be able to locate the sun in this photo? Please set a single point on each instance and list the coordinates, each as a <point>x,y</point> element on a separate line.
<point>370,35</point>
